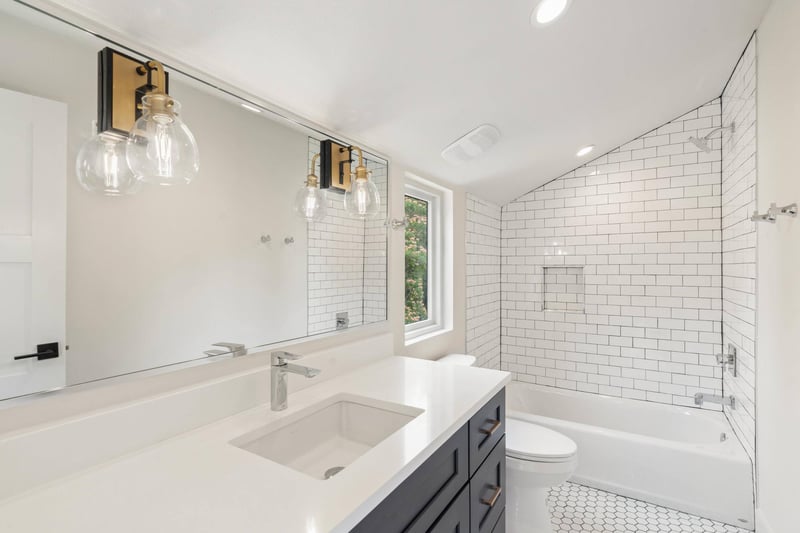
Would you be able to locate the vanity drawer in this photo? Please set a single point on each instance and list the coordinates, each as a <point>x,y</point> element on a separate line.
<point>487,491</point>
<point>416,504</point>
<point>456,518</point>
<point>486,429</point>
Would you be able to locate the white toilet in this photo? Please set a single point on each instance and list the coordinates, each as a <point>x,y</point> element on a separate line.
<point>537,458</point>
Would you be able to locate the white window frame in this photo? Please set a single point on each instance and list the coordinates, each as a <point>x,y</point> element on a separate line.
<point>439,263</point>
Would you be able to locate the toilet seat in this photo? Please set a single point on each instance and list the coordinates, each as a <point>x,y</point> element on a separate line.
<point>530,442</point>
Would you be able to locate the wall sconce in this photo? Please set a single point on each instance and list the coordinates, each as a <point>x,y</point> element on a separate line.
<point>311,202</point>
<point>361,197</point>
<point>137,119</point>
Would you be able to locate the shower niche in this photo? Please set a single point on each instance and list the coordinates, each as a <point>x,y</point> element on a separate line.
<point>563,289</point>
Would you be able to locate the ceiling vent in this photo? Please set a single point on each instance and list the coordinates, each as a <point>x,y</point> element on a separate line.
<point>472,144</point>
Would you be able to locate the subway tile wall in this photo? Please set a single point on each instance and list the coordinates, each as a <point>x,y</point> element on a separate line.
<point>375,249</point>
<point>347,259</point>
<point>483,281</point>
<point>739,241</point>
<point>644,223</point>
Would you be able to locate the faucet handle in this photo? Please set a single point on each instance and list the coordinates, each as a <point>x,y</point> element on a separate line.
<point>280,358</point>
<point>232,345</point>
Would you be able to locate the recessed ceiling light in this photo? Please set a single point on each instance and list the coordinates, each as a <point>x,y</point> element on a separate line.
<point>249,107</point>
<point>547,11</point>
<point>585,150</point>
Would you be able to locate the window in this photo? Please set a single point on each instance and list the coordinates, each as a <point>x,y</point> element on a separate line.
<point>427,288</point>
<point>417,259</point>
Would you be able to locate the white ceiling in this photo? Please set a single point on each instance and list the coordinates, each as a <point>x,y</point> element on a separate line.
<point>409,77</point>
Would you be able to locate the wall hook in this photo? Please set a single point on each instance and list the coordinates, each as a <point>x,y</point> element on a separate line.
<point>397,223</point>
<point>766,217</point>
<point>288,240</point>
<point>772,213</point>
<point>265,239</point>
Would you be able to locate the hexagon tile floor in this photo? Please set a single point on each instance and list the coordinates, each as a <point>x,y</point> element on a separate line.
<point>575,508</point>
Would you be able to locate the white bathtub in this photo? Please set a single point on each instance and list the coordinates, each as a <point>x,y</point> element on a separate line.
<point>671,456</point>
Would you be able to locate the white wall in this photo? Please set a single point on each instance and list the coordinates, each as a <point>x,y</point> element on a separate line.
<point>778,291</point>
<point>739,243</point>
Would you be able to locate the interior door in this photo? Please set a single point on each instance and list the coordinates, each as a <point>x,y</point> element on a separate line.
<point>33,146</point>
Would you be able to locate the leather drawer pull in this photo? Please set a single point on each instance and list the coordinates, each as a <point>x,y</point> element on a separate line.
<point>493,500</point>
<point>495,425</point>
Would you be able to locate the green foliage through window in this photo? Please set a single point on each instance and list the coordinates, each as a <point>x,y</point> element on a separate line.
<point>416,260</point>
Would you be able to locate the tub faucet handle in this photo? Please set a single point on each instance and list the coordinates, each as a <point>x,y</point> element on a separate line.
<point>728,359</point>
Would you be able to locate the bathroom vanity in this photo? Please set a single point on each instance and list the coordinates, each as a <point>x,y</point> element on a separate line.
<point>458,489</point>
<point>441,468</point>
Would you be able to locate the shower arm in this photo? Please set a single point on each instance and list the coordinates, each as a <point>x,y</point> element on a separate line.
<point>731,127</point>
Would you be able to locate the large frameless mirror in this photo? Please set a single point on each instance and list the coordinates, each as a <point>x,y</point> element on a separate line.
<point>94,286</point>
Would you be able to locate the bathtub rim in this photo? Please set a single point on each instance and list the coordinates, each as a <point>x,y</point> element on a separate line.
<point>717,415</point>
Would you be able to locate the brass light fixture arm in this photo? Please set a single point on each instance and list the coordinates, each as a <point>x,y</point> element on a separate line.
<point>313,166</point>
<point>160,76</point>
<point>361,170</point>
<point>160,101</point>
<point>311,179</point>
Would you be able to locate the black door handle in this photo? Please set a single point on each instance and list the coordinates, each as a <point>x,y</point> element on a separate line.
<point>43,351</point>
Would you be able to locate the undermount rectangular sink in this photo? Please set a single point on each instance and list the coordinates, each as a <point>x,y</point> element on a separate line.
<point>324,438</point>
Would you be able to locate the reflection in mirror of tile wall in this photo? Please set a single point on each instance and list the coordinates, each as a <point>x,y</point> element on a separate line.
<point>347,259</point>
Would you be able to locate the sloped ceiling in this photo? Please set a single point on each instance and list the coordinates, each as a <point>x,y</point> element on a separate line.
<point>410,77</point>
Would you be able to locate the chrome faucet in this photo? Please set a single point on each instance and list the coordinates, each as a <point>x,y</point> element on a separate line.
<point>230,347</point>
<point>279,389</point>
<point>701,397</point>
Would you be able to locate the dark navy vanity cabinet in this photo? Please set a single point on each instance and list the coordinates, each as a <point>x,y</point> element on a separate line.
<point>459,489</point>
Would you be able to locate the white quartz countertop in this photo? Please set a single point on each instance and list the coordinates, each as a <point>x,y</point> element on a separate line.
<point>198,482</point>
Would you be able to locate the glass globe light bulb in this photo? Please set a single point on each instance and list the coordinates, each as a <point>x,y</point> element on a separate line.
<point>161,149</point>
<point>362,200</point>
<point>102,167</point>
<point>311,202</point>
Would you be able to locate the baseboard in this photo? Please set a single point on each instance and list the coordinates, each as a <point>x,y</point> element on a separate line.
<point>761,523</point>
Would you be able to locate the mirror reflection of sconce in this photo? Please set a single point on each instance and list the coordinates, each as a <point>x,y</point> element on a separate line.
<point>361,197</point>
<point>310,202</point>
<point>140,136</point>
<point>334,166</point>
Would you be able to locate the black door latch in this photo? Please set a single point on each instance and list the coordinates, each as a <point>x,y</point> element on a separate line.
<point>43,351</point>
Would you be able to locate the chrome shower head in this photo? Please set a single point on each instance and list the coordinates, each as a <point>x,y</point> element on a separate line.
<point>701,144</point>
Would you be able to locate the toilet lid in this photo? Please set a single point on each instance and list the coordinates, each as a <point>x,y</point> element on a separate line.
<point>528,441</point>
